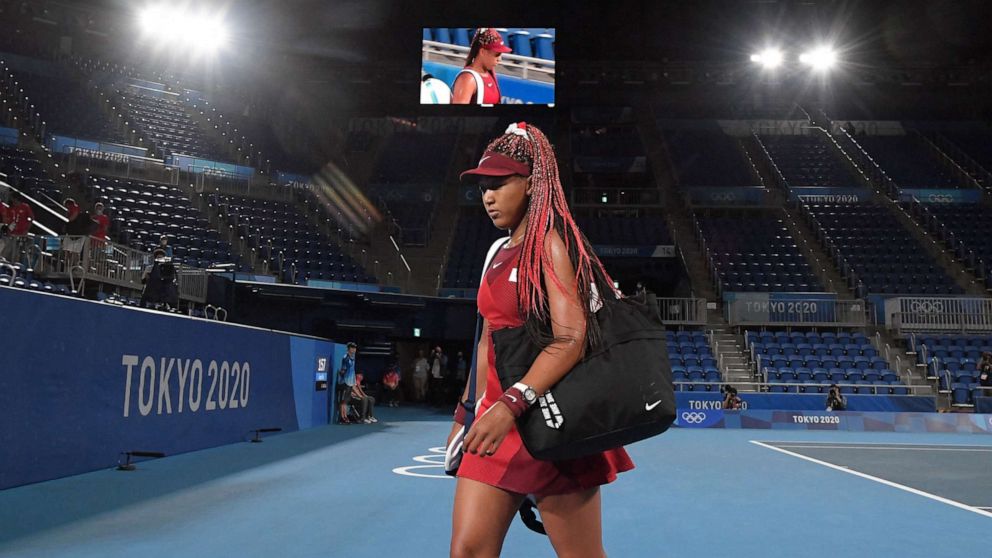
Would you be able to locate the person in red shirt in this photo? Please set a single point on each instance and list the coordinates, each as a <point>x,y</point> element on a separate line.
<point>102,222</point>
<point>22,215</point>
<point>391,381</point>
<point>477,83</point>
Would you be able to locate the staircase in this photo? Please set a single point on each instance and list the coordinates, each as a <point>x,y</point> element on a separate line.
<point>676,209</point>
<point>904,362</point>
<point>822,263</point>
<point>732,358</point>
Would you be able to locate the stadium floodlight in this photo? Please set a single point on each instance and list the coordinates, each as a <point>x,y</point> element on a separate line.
<point>179,28</point>
<point>821,58</point>
<point>769,58</point>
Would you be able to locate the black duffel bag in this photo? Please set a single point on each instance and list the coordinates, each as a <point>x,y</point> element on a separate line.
<point>618,394</point>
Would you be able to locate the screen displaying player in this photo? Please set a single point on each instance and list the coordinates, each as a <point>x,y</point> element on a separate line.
<point>488,66</point>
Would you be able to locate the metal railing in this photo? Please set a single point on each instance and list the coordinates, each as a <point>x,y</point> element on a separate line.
<point>525,67</point>
<point>941,314</point>
<point>794,387</point>
<point>80,258</point>
<point>689,311</point>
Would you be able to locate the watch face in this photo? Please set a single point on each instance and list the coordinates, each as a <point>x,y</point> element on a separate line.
<point>530,395</point>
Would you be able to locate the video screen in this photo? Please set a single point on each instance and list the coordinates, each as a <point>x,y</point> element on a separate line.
<point>488,66</point>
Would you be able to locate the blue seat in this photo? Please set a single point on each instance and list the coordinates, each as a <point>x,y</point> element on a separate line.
<point>543,46</point>
<point>520,43</point>
<point>459,36</point>
<point>441,35</point>
<point>961,395</point>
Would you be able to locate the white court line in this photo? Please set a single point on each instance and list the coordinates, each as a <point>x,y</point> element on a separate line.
<point>887,444</point>
<point>846,446</point>
<point>911,490</point>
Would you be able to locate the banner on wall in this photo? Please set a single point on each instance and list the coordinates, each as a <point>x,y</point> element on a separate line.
<point>839,421</point>
<point>782,307</point>
<point>73,399</point>
<point>710,400</point>
<point>706,195</point>
<point>925,195</point>
<point>816,194</point>
<point>293,180</point>
<point>206,166</point>
<point>101,150</point>
<point>620,251</point>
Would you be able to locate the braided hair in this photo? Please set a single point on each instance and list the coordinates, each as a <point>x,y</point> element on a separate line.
<point>547,210</point>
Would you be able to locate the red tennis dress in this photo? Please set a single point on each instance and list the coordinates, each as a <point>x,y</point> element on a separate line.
<point>512,467</point>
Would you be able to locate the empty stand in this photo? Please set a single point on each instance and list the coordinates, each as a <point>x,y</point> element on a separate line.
<point>708,158</point>
<point>808,160</point>
<point>813,360</point>
<point>872,247</point>
<point>280,233</point>
<point>142,212</point>
<point>909,161</point>
<point>754,252</point>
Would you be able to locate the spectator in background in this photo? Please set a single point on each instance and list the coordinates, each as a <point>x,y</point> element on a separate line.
<point>159,278</point>
<point>391,384</point>
<point>163,245</point>
<point>731,401</point>
<point>346,380</point>
<point>79,223</point>
<point>364,401</point>
<point>22,217</point>
<point>461,368</point>
<point>438,363</point>
<point>985,374</point>
<point>835,399</point>
<point>103,224</point>
<point>421,371</point>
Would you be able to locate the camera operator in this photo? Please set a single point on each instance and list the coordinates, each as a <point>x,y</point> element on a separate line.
<point>731,401</point>
<point>160,282</point>
<point>985,374</point>
<point>835,399</point>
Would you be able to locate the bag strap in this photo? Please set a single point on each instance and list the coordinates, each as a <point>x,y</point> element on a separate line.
<point>469,403</point>
<point>480,88</point>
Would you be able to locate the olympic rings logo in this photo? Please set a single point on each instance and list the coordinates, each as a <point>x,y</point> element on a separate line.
<point>692,417</point>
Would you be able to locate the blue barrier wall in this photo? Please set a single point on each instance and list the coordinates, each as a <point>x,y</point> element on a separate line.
<point>709,400</point>
<point>514,91</point>
<point>843,421</point>
<point>83,381</point>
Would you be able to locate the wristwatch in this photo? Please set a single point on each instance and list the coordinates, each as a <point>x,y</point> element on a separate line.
<point>530,396</point>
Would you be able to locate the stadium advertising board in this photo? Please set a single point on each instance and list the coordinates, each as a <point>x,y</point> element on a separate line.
<point>768,308</point>
<point>102,380</point>
<point>206,166</point>
<point>713,400</point>
<point>847,421</point>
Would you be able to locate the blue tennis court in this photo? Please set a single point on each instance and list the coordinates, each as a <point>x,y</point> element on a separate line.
<point>379,490</point>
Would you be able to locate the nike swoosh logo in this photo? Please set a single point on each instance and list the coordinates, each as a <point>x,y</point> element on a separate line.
<point>497,264</point>
<point>484,158</point>
<point>651,406</point>
<point>511,397</point>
